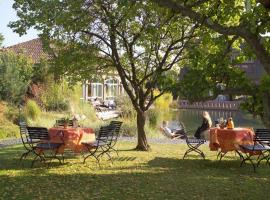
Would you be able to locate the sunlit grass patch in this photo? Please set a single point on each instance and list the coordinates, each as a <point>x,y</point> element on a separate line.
<point>158,174</point>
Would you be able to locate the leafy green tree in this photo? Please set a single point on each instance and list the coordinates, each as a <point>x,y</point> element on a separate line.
<point>42,72</point>
<point>139,40</point>
<point>15,76</point>
<point>211,70</point>
<point>246,19</point>
<point>1,39</point>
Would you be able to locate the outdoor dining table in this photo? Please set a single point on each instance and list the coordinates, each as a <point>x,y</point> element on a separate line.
<point>72,137</point>
<point>226,140</point>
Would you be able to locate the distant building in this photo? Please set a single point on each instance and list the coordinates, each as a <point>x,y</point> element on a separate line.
<point>253,69</point>
<point>104,88</point>
<point>32,49</point>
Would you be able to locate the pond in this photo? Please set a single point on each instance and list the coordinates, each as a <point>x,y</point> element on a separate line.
<point>192,118</point>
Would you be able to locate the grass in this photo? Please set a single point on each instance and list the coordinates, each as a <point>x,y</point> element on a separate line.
<point>158,174</point>
<point>7,128</point>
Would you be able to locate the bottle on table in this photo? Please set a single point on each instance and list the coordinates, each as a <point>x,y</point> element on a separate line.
<point>221,123</point>
<point>230,124</point>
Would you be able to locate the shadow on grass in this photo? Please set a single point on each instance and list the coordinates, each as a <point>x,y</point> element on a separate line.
<point>156,178</point>
<point>10,160</point>
<point>161,178</point>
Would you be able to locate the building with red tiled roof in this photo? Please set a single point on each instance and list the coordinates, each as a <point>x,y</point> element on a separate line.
<point>104,88</point>
<point>32,49</point>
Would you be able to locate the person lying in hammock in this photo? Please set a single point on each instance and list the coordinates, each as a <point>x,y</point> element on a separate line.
<point>171,133</point>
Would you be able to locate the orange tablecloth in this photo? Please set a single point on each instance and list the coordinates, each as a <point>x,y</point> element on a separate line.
<point>72,137</point>
<point>229,139</point>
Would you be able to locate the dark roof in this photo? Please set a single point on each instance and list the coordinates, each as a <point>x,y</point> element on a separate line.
<point>32,49</point>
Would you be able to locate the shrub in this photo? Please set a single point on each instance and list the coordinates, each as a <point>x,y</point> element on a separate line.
<point>32,110</point>
<point>174,104</point>
<point>153,117</point>
<point>126,107</point>
<point>129,128</point>
<point>9,131</point>
<point>55,97</point>
<point>163,102</point>
<point>15,73</point>
<point>12,114</point>
<point>7,128</point>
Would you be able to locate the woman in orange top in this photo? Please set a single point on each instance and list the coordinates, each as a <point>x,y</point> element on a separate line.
<point>230,124</point>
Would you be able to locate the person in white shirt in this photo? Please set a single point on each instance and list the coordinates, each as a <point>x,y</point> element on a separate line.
<point>170,133</point>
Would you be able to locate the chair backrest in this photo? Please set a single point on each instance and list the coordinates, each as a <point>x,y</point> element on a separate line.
<point>117,125</point>
<point>262,135</point>
<point>106,134</point>
<point>184,129</point>
<point>24,135</point>
<point>60,122</point>
<point>37,133</point>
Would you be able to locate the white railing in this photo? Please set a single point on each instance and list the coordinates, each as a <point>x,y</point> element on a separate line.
<point>212,105</point>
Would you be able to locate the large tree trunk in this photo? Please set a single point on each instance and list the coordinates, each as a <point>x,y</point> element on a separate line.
<point>142,141</point>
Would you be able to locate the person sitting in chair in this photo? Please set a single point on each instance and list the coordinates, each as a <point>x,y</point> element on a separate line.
<point>171,133</point>
<point>203,131</point>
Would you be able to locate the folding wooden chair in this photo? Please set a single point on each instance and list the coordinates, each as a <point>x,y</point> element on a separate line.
<point>36,141</point>
<point>260,148</point>
<point>102,145</point>
<point>192,143</point>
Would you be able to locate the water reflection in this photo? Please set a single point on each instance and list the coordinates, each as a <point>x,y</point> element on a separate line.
<point>192,118</point>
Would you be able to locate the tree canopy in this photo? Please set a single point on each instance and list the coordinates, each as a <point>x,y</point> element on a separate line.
<point>246,19</point>
<point>15,76</point>
<point>141,41</point>
<point>1,39</point>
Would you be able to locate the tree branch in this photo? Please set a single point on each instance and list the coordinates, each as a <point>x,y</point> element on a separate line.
<point>252,39</point>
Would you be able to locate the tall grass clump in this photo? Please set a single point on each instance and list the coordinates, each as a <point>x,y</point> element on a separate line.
<point>126,107</point>
<point>129,128</point>
<point>128,116</point>
<point>79,106</point>
<point>32,110</point>
<point>55,97</point>
<point>153,117</point>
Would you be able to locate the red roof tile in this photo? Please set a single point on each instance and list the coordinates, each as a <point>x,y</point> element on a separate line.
<point>32,48</point>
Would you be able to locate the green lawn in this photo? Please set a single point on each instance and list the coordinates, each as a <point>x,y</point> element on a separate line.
<point>159,174</point>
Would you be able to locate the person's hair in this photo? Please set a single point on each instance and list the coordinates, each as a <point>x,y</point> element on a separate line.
<point>207,116</point>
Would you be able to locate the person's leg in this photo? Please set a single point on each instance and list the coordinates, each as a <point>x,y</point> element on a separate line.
<point>180,133</point>
<point>197,133</point>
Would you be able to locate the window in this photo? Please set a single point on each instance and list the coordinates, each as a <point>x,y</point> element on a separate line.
<point>112,87</point>
<point>95,90</point>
